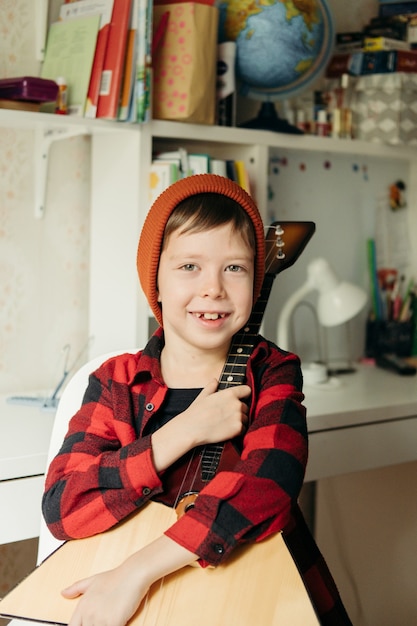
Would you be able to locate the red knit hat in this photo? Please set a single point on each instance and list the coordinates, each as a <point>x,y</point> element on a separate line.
<point>150,242</point>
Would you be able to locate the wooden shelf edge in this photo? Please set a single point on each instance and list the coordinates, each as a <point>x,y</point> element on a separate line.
<point>212,134</point>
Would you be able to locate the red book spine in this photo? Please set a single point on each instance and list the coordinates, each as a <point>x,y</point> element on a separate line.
<point>96,71</point>
<point>406,61</point>
<point>112,74</point>
<point>338,65</point>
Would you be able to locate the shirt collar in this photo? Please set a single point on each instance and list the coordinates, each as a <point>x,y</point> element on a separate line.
<point>148,365</point>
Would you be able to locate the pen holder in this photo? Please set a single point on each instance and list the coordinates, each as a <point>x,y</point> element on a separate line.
<point>388,337</point>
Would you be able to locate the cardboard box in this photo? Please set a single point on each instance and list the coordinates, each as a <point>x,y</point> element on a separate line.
<point>385,108</point>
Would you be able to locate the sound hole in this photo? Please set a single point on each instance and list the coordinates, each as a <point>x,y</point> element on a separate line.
<point>186,503</point>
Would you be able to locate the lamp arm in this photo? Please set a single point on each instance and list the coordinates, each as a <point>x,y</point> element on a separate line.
<point>283,339</point>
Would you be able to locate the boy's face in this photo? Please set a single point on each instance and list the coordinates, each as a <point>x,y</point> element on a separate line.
<point>205,286</point>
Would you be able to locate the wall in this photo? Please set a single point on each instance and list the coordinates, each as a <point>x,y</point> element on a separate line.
<point>344,196</point>
<point>43,263</point>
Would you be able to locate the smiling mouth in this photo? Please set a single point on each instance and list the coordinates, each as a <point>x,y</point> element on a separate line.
<point>210,316</point>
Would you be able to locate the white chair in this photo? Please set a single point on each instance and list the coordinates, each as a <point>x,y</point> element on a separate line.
<point>69,403</point>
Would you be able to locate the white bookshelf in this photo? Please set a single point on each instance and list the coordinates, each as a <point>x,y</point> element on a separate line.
<point>121,155</point>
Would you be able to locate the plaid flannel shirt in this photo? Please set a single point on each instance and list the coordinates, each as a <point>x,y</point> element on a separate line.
<point>104,469</point>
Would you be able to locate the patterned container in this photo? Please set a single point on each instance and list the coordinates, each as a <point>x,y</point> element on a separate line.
<point>385,108</point>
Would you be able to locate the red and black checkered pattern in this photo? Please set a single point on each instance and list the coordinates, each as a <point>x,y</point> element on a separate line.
<point>104,470</point>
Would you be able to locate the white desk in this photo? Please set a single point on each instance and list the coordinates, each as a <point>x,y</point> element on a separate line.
<point>369,421</point>
<point>24,441</point>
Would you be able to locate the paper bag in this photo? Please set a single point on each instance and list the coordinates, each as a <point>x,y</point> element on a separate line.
<point>184,70</point>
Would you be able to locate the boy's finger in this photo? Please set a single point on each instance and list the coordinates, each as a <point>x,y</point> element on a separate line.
<point>76,589</point>
<point>210,388</point>
<point>242,391</point>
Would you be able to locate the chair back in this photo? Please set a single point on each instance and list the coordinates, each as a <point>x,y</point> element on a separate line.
<point>68,405</point>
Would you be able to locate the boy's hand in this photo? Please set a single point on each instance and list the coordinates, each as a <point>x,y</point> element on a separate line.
<point>213,417</point>
<point>113,597</point>
<point>217,416</point>
<point>107,599</point>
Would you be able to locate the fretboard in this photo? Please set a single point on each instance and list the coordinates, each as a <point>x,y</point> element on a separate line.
<point>234,371</point>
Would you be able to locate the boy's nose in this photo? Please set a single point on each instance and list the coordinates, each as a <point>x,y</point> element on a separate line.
<point>213,286</point>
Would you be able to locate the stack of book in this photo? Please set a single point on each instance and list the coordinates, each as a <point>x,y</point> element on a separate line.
<point>388,43</point>
<point>103,50</point>
<point>169,166</point>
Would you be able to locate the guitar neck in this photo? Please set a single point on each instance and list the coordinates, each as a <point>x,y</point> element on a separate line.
<point>284,243</point>
<point>244,341</point>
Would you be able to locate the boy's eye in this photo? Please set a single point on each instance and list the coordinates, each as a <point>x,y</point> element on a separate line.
<point>188,267</point>
<point>234,268</point>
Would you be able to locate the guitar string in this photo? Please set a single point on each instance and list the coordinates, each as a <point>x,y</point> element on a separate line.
<point>239,344</point>
<point>181,487</point>
<point>230,362</point>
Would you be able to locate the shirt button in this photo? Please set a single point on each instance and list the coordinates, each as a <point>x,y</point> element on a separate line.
<point>146,491</point>
<point>149,406</point>
<point>218,548</point>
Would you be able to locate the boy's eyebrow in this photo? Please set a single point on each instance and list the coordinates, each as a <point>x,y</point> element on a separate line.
<point>199,255</point>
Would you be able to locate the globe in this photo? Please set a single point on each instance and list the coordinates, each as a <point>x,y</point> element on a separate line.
<point>282,46</point>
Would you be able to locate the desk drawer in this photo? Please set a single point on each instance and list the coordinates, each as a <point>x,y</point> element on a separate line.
<point>346,450</point>
<point>20,508</point>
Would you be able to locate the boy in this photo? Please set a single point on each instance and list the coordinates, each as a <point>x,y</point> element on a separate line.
<point>201,265</point>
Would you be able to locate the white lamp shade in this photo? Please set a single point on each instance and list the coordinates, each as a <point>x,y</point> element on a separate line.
<point>340,304</point>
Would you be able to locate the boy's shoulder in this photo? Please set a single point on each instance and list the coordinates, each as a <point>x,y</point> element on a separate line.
<point>128,363</point>
<point>119,366</point>
<point>266,349</point>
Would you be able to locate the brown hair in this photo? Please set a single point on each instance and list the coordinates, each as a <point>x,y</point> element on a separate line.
<point>205,211</point>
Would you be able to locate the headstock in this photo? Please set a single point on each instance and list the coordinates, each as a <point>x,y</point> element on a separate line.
<point>284,242</point>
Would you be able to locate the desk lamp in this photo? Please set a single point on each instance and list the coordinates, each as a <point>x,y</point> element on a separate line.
<point>338,301</point>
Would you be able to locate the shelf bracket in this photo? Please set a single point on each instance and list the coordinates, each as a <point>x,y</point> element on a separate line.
<point>44,138</point>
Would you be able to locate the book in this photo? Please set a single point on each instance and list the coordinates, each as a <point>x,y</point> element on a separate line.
<point>129,74</point>
<point>218,166</point>
<point>180,157</point>
<point>103,8</point>
<point>242,175</point>
<point>406,61</point>
<point>198,163</point>
<point>348,37</point>
<point>113,67</point>
<point>404,24</point>
<point>397,8</point>
<point>231,170</point>
<point>19,105</point>
<point>372,62</point>
<point>345,63</point>
<point>70,50</point>
<point>385,61</point>
<point>354,46</point>
<point>395,27</point>
<point>384,43</point>
<point>161,175</point>
<point>128,77</point>
<point>144,61</point>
